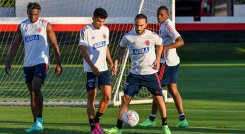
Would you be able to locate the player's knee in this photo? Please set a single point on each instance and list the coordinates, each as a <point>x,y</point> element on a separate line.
<point>126,99</point>
<point>106,98</point>
<point>37,92</point>
<point>91,97</point>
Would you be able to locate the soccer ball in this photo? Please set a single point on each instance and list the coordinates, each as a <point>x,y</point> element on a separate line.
<point>130,118</point>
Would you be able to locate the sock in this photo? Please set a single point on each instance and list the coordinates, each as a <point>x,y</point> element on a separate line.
<point>39,116</point>
<point>182,117</point>
<point>152,117</point>
<point>164,121</point>
<point>119,123</point>
<point>97,117</point>
<point>40,119</point>
<point>92,124</point>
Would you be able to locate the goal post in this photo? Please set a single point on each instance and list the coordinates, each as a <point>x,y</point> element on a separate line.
<point>67,18</point>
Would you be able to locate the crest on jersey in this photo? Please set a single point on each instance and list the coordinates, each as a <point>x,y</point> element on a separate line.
<point>104,36</point>
<point>90,84</point>
<point>147,42</point>
<point>39,30</point>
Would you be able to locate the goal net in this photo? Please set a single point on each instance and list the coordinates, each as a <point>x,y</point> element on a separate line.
<point>67,18</point>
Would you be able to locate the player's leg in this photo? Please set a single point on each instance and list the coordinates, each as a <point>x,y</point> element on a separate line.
<point>178,104</point>
<point>37,82</point>
<point>91,85</point>
<point>153,84</point>
<point>150,122</point>
<point>104,83</point>
<point>173,90</point>
<point>32,101</point>
<point>34,85</point>
<point>132,87</point>
<point>123,108</point>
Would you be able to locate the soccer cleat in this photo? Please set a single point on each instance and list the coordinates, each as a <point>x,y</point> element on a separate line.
<point>113,130</point>
<point>182,124</point>
<point>148,123</point>
<point>166,129</point>
<point>37,126</point>
<point>39,119</point>
<point>95,131</point>
<point>97,126</point>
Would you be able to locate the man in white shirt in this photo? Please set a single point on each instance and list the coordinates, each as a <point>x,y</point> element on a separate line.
<point>34,32</point>
<point>143,72</point>
<point>168,72</point>
<point>94,40</point>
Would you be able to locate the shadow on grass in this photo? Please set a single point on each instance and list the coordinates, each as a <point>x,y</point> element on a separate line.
<point>48,128</point>
<point>157,130</point>
<point>84,129</point>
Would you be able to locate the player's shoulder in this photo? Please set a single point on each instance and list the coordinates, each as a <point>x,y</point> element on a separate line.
<point>151,33</point>
<point>86,28</point>
<point>131,32</point>
<point>168,22</point>
<point>42,20</point>
<point>25,21</point>
<point>105,27</point>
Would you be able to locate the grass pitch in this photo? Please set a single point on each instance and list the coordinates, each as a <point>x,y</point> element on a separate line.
<point>213,97</point>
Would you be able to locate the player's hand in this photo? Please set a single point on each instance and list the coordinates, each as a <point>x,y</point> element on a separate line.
<point>58,69</point>
<point>95,70</point>
<point>7,69</point>
<point>114,68</point>
<point>163,51</point>
<point>156,65</point>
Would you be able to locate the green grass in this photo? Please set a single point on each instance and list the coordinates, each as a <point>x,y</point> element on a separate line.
<point>213,98</point>
<point>211,82</point>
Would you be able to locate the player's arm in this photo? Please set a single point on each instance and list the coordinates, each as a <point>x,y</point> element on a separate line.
<point>159,49</point>
<point>85,55</point>
<point>52,37</point>
<point>13,50</point>
<point>119,55</point>
<point>120,52</point>
<point>108,57</point>
<point>178,43</point>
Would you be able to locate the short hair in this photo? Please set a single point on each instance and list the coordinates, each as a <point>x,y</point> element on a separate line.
<point>33,5</point>
<point>163,8</point>
<point>140,16</point>
<point>100,12</point>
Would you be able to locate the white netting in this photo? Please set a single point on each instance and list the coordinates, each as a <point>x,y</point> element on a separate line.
<point>67,18</point>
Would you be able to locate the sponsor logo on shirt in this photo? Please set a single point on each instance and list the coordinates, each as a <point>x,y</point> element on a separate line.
<point>32,37</point>
<point>140,51</point>
<point>99,44</point>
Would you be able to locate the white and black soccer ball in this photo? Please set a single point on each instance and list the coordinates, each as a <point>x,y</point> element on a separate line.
<point>130,118</point>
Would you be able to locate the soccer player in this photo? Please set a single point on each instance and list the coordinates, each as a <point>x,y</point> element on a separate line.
<point>94,40</point>
<point>34,32</point>
<point>143,72</point>
<point>168,72</point>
